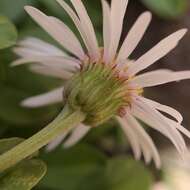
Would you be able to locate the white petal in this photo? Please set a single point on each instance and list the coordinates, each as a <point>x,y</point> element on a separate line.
<point>27,52</point>
<point>169,110</point>
<point>66,63</point>
<point>148,147</point>
<point>131,136</point>
<point>58,30</point>
<point>134,36</point>
<point>40,46</point>
<point>182,129</point>
<point>157,52</point>
<point>52,97</point>
<point>55,143</point>
<point>51,71</point>
<point>76,135</point>
<point>156,120</point>
<point>159,77</point>
<point>77,22</point>
<point>118,9</point>
<point>81,28</point>
<point>87,25</point>
<point>106,29</point>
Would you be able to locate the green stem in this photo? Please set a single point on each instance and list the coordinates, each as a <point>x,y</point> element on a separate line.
<point>66,120</point>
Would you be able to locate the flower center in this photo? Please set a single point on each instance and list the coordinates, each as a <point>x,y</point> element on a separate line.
<point>98,91</point>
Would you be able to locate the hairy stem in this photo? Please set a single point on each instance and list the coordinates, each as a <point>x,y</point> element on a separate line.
<point>66,120</point>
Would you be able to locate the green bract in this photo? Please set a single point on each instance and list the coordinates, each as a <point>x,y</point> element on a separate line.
<point>97,91</point>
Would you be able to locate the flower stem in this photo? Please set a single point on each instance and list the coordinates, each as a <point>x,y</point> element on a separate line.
<point>66,120</point>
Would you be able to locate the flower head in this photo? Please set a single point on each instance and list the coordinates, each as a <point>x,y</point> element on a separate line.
<point>103,82</point>
<point>176,173</point>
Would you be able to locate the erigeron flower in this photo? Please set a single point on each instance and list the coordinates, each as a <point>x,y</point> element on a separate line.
<point>176,174</point>
<point>102,81</point>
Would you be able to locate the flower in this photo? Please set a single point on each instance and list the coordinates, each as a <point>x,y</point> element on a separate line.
<point>175,172</point>
<point>113,81</point>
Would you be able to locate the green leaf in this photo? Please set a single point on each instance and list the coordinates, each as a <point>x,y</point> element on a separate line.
<point>7,144</point>
<point>167,8</point>
<point>8,33</point>
<point>24,176</point>
<point>14,90</point>
<point>12,112</point>
<point>127,174</point>
<point>120,173</point>
<point>67,169</point>
<point>84,167</point>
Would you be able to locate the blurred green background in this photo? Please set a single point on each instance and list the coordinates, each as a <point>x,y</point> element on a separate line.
<point>103,159</point>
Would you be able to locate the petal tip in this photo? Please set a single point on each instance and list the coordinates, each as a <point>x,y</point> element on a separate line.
<point>24,103</point>
<point>28,8</point>
<point>181,33</point>
<point>27,103</point>
<point>158,166</point>
<point>13,64</point>
<point>148,14</point>
<point>32,10</point>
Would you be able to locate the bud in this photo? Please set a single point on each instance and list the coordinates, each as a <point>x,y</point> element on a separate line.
<point>98,91</point>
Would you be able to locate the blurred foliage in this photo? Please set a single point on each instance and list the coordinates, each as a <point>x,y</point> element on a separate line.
<point>169,9</point>
<point>23,176</point>
<point>8,33</point>
<point>101,165</point>
<point>83,167</point>
<point>16,12</point>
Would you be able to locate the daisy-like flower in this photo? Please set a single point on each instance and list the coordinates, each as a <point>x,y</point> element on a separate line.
<point>102,81</point>
<point>176,174</point>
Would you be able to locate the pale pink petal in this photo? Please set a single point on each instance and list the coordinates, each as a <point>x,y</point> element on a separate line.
<point>132,137</point>
<point>51,71</point>
<point>147,145</point>
<point>66,63</point>
<point>87,25</point>
<point>81,28</point>
<point>118,9</point>
<point>38,45</point>
<point>27,52</point>
<point>134,36</point>
<point>171,111</point>
<point>149,78</point>
<point>106,29</point>
<point>76,135</point>
<point>52,97</point>
<point>122,65</point>
<point>157,52</point>
<point>156,120</point>
<point>78,24</point>
<point>58,30</point>
<point>179,127</point>
<point>159,77</point>
<point>89,29</point>
<point>55,143</point>
<point>72,40</point>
